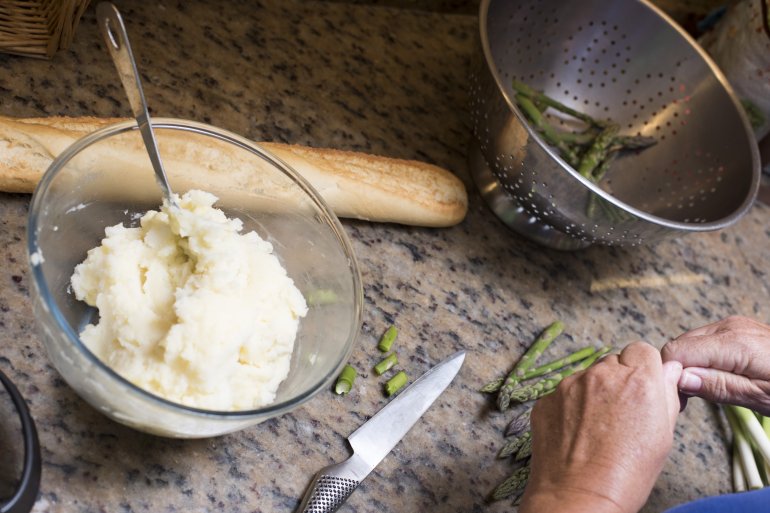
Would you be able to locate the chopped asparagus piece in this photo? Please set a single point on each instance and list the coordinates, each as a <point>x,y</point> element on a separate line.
<point>395,383</point>
<point>386,364</point>
<point>345,380</point>
<point>386,341</point>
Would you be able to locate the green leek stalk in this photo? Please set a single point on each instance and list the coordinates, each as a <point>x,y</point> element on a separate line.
<point>753,430</point>
<point>749,464</point>
<point>765,421</point>
<point>739,479</point>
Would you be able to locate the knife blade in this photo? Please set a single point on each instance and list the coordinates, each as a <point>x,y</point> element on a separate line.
<point>371,442</point>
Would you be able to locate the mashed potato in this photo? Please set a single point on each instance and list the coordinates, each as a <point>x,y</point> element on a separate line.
<point>191,309</point>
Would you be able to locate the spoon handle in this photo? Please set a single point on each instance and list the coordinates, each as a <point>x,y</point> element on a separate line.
<point>114,32</point>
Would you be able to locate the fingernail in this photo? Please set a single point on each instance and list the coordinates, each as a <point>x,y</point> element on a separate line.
<point>690,382</point>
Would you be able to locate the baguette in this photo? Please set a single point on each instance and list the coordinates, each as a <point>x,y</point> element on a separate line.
<point>354,185</point>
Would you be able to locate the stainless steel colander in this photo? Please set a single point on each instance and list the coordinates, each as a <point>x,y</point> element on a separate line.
<point>619,59</point>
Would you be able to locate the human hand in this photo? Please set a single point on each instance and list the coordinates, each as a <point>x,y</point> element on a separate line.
<point>600,441</point>
<point>725,362</point>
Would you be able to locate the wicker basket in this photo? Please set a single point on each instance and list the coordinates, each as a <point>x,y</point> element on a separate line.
<point>38,28</point>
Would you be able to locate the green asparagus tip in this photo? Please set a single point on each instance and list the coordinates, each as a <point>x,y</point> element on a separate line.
<point>395,383</point>
<point>492,386</point>
<point>345,380</point>
<point>387,339</point>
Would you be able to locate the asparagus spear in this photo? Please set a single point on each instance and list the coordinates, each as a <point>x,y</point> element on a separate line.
<point>558,364</point>
<point>492,386</point>
<point>594,156</point>
<point>519,424</point>
<point>536,96</point>
<point>513,445</point>
<point>633,142</point>
<point>515,483</point>
<point>535,350</point>
<point>579,138</point>
<point>525,451</point>
<point>495,385</point>
<point>547,131</point>
<point>547,385</point>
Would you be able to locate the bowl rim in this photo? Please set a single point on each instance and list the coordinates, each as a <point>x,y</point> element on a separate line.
<point>267,411</point>
<point>724,222</point>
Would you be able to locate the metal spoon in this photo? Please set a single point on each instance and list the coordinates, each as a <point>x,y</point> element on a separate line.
<point>114,32</point>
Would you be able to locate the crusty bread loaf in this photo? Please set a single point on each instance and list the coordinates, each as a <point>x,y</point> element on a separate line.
<point>353,184</point>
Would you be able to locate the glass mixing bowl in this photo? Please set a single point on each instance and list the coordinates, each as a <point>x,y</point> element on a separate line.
<point>106,178</point>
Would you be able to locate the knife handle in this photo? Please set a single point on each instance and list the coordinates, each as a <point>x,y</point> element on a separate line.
<point>329,489</point>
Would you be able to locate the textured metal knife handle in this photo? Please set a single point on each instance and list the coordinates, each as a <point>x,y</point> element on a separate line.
<point>332,486</point>
<point>328,493</point>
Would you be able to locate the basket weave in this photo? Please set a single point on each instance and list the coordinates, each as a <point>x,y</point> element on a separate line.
<point>38,28</point>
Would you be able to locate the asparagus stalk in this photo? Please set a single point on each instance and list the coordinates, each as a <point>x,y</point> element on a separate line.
<point>519,424</point>
<point>558,364</point>
<point>492,386</point>
<point>525,451</point>
<point>749,464</point>
<point>548,132</point>
<point>536,96</point>
<point>535,350</point>
<point>602,168</point>
<point>580,138</point>
<point>633,142</point>
<point>594,156</point>
<point>513,445</point>
<point>515,483</point>
<point>495,385</point>
<point>547,385</point>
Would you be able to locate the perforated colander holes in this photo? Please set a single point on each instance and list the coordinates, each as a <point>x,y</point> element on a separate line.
<point>602,55</point>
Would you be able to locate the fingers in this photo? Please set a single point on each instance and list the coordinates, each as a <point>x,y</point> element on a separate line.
<point>725,387</point>
<point>736,344</point>
<point>640,354</point>
<point>672,372</point>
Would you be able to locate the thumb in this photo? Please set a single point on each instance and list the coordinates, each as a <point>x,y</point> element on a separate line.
<point>720,386</point>
<point>672,372</point>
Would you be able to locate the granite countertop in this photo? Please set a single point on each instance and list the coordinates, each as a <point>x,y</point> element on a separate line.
<point>389,81</point>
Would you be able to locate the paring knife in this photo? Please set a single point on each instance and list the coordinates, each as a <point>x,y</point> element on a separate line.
<point>376,437</point>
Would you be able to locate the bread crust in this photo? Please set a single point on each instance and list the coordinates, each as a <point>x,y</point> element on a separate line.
<point>354,185</point>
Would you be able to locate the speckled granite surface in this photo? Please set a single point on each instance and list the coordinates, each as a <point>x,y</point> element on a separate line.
<point>392,82</point>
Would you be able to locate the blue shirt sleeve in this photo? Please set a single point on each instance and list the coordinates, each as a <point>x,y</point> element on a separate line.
<point>757,501</point>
